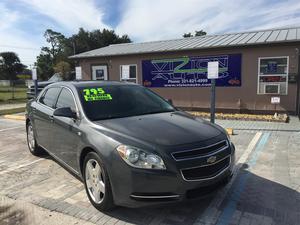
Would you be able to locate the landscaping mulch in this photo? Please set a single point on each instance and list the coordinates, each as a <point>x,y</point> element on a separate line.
<point>249,117</point>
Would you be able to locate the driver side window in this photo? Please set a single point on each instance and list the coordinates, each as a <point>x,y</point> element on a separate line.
<point>65,99</point>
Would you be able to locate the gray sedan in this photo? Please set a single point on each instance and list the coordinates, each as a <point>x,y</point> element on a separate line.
<point>128,145</point>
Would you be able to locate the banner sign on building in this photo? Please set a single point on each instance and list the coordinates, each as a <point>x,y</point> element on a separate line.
<point>191,71</point>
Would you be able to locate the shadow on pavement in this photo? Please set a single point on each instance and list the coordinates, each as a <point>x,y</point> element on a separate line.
<point>257,196</point>
<point>11,216</point>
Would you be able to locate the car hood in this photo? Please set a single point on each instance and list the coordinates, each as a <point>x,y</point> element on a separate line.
<point>167,129</point>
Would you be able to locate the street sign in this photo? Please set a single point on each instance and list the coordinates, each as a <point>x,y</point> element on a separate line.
<point>275,100</point>
<point>34,74</point>
<point>213,70</point>
<point>78,72</point>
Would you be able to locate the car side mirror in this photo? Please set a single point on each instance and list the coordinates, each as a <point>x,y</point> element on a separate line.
<point>65,112</point>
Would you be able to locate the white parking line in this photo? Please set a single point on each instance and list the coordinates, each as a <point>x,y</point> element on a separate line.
<point>210,214</point>
<point>11,128</point>
<point>249,149</point>
<point>19,166</point>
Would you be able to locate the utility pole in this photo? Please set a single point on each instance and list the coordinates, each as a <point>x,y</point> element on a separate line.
<point>213,100</point>
<point>74,46</point>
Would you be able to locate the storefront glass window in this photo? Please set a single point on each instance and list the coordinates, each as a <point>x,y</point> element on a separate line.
<point>273,75</point>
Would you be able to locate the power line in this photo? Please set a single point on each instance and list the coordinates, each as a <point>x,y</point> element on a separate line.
<point>19,47</point>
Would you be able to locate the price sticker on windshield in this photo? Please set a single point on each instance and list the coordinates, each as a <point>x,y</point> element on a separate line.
<point>95,94</point>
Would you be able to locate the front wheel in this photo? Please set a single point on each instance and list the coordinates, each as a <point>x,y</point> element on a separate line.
<point>97,183</point>
<point>31,141</point>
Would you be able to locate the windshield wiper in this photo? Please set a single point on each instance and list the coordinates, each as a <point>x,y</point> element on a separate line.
<point>124,116</point>
<point>158,111</point>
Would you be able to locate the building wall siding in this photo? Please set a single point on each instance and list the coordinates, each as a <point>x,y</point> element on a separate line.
<point>227,98</point>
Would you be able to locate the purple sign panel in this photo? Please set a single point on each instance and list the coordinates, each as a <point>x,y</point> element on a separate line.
<point>191,71</point>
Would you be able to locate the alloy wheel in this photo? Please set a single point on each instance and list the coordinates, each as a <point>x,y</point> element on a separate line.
<point>30,138</point>
<point>94,179</point>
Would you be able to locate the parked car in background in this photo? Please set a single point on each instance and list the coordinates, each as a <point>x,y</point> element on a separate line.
<point>42,84</point>
<point>127,144</point>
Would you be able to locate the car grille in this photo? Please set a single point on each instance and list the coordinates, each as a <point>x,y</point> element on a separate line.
<point>206,171</point>
<point>199,152</point>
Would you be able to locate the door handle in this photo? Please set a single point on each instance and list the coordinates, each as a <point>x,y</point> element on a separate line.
<point>51,118</point>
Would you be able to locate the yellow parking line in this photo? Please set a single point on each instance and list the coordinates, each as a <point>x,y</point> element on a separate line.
<point>15,117</point>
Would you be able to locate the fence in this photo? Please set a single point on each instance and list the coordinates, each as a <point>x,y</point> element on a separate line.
<point>4,83</point>
<point>13,91</point>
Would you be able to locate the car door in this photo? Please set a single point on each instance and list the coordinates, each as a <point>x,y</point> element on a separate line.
<point>43,117</point>
<point>66,130</point>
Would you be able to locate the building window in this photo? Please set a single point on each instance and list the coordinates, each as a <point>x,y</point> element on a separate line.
<point>273,75</point>
<point>128,73</point>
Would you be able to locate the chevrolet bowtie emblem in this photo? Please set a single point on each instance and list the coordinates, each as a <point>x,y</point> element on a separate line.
<point>211,159</point>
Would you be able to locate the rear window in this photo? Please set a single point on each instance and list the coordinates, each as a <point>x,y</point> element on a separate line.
<point>117,101</point>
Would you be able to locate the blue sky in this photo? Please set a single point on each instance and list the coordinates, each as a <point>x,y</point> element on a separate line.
<point>23,22</point>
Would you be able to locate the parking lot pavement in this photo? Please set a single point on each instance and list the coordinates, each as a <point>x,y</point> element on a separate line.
<point>265,189</point>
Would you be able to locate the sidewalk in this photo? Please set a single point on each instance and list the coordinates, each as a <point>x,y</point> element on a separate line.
<point>12,108</point>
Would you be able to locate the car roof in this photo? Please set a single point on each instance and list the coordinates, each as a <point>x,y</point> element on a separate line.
<point>87,84</point>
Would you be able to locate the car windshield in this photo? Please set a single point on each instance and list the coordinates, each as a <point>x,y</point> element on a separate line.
<point>117,101</point>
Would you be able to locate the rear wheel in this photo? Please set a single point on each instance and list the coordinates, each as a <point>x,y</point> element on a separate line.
<point>31,141</point>
<point>97,183</point>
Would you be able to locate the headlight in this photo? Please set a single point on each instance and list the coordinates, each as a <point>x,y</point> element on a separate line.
<point>140,159</point>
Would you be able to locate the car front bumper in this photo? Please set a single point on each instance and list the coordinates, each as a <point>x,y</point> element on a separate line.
<point>134,187</point>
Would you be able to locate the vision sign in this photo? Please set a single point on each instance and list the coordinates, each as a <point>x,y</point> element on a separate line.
<point>191,71</point>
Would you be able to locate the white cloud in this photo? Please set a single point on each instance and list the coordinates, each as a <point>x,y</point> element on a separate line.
<point>70,14</point>
<point>66,16</point>
<point>12,39</point>
<point>7,17</point>
<point>27,50</point>
<point>156,19</point>
<point>142,20</point>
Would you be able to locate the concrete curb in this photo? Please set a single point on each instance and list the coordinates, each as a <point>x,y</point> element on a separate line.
<point>12,111</point>
<point>14,117</point>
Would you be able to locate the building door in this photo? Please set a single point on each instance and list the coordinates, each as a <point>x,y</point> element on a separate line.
<point>99,72</point>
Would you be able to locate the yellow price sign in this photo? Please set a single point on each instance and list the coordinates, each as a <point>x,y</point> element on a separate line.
<point>95,94</point>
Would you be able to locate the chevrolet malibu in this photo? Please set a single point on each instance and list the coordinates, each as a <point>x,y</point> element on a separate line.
<point>128,145</point>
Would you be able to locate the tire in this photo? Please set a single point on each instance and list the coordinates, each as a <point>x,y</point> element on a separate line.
<point>96,182</point>
<point>31,141</point>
